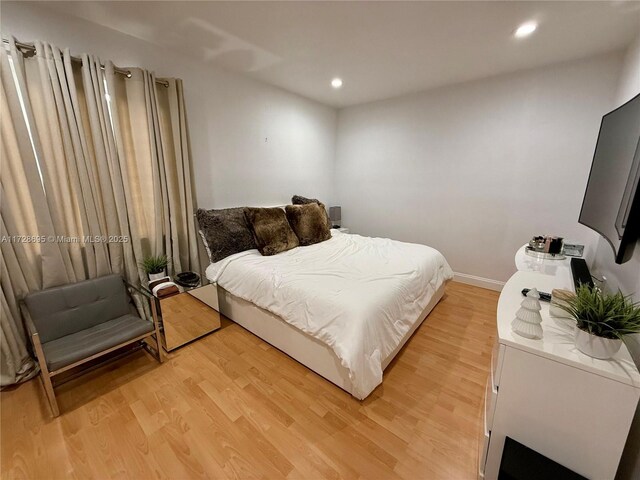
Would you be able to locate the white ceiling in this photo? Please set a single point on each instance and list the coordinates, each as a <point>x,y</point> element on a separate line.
<point>380,49</point>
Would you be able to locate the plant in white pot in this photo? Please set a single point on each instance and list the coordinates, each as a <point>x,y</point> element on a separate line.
<point>602,320</point>
<point>155,266</point>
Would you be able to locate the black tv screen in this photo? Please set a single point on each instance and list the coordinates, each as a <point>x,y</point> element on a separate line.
<point>611,204</point>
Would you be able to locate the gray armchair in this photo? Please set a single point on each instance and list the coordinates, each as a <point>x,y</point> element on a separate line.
<point>76,323</point>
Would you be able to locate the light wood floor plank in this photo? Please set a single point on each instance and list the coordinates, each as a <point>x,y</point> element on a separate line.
<point>231,406</point>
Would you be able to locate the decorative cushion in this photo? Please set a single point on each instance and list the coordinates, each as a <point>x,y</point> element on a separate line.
<point>300,200</point>
<point>225,231</point>
<point>309,223</point>
<point>271,230</point>
<point>71,348</point>
<point>60,311</point>
<point>204,242</point>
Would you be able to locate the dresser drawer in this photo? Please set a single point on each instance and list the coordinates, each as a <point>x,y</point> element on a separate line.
<point>483,449</point>
<point>497,357</point>
<point>490,396</point>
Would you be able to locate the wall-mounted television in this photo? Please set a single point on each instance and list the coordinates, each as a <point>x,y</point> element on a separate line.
<point>611,204</point>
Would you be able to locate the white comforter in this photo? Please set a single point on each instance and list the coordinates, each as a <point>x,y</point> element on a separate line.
<point>358,295</point>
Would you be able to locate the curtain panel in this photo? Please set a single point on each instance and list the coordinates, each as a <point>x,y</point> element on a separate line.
<point>95,175</point>
<point>150,123</point>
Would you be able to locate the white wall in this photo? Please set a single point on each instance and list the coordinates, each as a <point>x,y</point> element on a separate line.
<point>625,277</point>
<point>476,169</point>
<point>229,115</point>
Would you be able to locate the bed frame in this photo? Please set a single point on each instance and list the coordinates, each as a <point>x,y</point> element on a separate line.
<point>300,346</point>
<point>274,330</point>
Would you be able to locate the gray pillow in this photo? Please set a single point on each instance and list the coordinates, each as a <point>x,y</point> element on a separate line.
<point>300,200</point>
<point>309,223</point>
<point>271,230</point>
<point>225,231</point>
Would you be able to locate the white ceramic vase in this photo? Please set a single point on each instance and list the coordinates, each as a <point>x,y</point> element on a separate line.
<point>527,330</point>
<point>157,276</point>
<point>528,320</point>
<point>595,346</point>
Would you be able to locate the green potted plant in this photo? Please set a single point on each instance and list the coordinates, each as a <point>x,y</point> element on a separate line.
<point>602,320</point>
<point>155,266</point>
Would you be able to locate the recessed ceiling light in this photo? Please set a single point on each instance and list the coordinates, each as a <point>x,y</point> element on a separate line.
<point>526,29</point>
<point>336,82</point>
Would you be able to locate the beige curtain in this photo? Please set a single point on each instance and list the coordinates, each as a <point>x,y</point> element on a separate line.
<point>180,190</point>
<point>150,122</point>
<point>18,214</point>
<point>87,152</point>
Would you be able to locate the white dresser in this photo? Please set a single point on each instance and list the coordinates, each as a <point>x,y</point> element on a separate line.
<point>547,395</point>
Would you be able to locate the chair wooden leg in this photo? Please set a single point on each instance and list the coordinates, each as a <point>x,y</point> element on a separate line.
<point>51,395</point>
<point>161,356</point>
<point>44,375</point>
<point>156,324</point>
<point>44,370</point>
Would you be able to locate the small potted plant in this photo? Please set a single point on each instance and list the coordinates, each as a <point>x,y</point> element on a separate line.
<point>155,266</point>
<point>602,320</point>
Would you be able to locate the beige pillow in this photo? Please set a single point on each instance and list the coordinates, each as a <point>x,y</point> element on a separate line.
<point>309,223</point>
<point>271,230</point>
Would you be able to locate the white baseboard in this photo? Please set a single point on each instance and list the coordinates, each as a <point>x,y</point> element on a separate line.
<point>478,281</point>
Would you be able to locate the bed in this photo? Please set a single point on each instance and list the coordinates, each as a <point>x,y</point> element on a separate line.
<point>344,307</point>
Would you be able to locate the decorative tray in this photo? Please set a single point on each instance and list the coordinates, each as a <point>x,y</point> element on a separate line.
<point>544,255</point>
<point>573,250</point>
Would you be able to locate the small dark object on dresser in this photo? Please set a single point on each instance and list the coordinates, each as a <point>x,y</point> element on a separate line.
<point>544,296</point>
<point>580,272</point>
<point>555,245</point>
<point>188,279</point>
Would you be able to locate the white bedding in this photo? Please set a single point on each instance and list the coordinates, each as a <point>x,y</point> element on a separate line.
<point>358,295</point>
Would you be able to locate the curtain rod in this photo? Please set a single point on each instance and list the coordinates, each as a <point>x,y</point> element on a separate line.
<point>126,73</point>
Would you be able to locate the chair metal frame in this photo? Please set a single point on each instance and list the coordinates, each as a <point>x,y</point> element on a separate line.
<point>47,376</point>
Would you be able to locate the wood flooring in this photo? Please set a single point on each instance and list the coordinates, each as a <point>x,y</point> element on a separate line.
<point>231,406</point>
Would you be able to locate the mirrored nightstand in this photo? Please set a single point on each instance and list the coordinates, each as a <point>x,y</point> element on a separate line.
<point>186,316</point>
